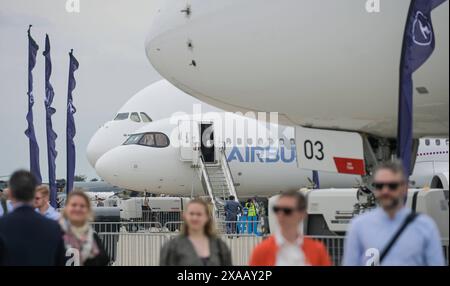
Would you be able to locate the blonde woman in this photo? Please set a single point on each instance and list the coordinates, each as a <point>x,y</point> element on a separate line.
<point>197,245</point>
<point>79,234</point>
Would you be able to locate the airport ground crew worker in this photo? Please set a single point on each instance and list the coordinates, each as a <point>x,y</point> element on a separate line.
<point>252,217</point>
<point>242,227</point>
<point>288,246</point>
<point>392,234</point>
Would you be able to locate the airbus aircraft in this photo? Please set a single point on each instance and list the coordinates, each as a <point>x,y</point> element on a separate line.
<point>159,157</point>
<point>140,109</point>
<point>322,64</point>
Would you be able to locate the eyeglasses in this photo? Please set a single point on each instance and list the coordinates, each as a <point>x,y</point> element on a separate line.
<point>392,186</point>
<point>284,210</point>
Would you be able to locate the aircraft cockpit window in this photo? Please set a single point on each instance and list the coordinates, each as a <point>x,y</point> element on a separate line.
<point>154,139</point>
<point>133,139</point>
<point>135,117</point>
<point>148,139</point>
<point>121,116</point>
<point>145,117</point>
<point>161,140</point>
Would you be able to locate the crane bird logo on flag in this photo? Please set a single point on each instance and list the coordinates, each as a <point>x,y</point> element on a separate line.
<point>422,30</point>
<point>71,108</point>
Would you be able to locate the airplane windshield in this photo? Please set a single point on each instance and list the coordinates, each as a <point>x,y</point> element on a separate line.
<point>121,116</point>
<point>145,117</point>
<point>133,139</point>
<point>135,117</point>
<point>150,139</point>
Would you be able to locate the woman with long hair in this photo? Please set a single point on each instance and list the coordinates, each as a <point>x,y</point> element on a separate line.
<point>198,244</point>
<point>80,239</point>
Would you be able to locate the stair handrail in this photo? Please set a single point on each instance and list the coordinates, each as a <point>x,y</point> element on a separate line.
<point>208,183</point>
<point>227,172</point>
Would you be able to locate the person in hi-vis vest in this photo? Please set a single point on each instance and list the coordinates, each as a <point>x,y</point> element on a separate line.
<point>252,217</point>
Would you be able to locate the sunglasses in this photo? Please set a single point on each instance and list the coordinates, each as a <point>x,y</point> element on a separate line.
<point>286,211</point>
<point>392,186</point>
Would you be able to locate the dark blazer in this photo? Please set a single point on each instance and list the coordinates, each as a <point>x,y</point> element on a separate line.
<point>29,239</point>
<point>102,258</point>
<point>180,252</point>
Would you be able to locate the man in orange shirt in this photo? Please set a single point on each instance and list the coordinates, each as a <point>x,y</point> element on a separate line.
<point>288,247</point>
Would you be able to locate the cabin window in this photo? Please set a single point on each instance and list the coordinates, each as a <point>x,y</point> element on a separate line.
<point>121,116</point>
<point>249,141</point>
<point>239,141</point>
<point>438,142</point>
<point>427,142</point>
<point>292,141</point>
<point>228,141</point>
<point>145,117</point>
<point>281,141</point>
<point>260,141</point>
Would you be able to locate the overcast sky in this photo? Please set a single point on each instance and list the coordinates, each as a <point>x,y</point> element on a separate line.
<point>108,41</point>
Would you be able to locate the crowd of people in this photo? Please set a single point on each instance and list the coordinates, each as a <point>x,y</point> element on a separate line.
<point>33,233</point>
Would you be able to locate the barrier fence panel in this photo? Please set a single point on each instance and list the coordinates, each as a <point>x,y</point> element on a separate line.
<point>334,246</point>
<point>142,248</point>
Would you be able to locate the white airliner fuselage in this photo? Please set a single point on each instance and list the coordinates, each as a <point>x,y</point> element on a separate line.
<point>319,63</point>
<point>261,156</point>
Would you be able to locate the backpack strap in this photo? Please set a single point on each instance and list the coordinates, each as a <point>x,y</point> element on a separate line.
<point>409,219</point>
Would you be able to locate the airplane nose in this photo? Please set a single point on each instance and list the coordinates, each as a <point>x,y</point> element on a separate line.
<point>106,138</point>
<point>94,150</point>
<point>107,167</point>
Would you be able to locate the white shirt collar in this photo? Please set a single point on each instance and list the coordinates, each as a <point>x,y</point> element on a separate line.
<point>280,240</point>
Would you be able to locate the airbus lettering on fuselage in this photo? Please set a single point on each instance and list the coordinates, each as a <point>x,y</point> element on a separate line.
<point>256,154</point>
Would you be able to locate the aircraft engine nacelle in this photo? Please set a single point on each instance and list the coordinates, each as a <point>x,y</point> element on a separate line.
<point>440,181</point>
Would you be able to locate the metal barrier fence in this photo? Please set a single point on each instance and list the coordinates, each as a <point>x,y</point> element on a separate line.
<point>139,244</point>
<point>235,227</point>
<point>143,249</point>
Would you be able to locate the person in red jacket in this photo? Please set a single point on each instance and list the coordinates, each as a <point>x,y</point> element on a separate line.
<point>288,247</point>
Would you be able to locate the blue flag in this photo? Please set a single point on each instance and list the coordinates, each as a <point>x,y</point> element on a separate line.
<point>35,169</point>
<point>51,134</point>
<point>70,128</point>
<point>316,179</point>
<point>418,45</point>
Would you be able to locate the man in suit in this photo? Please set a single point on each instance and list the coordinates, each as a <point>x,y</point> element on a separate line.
<point>26,237</point>
<point>232,208</point>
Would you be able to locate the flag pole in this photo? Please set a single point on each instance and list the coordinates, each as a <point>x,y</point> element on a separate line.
<point>70,124</point>
<point>32,142</point>
<point>51,134</point>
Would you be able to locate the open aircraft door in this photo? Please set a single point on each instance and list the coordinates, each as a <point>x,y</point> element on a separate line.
<point>189,140</point>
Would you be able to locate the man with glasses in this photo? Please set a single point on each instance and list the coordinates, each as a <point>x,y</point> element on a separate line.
<point>42,203</point>
<point>392,234</point>
<point>288,246</point>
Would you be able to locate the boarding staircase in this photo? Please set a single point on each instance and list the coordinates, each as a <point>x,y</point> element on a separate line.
<point>219,185</point>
